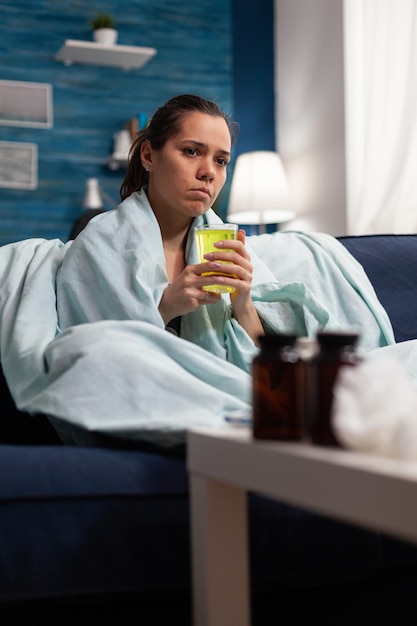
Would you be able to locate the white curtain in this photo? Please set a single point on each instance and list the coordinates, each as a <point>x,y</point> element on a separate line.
<point>381,115</point>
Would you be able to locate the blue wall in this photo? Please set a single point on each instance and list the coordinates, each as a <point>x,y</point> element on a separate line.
<point>253,74</point>
<point>91,103</point>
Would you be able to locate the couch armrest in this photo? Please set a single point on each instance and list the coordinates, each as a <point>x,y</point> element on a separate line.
<point>390,262</point>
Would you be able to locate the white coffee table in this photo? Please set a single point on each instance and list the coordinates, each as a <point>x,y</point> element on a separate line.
<point>373,492</point>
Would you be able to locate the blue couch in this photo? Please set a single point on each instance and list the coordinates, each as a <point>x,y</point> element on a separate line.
<point>101,532</point>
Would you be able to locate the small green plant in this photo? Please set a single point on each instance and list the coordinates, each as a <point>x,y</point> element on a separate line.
<point>102,20</point>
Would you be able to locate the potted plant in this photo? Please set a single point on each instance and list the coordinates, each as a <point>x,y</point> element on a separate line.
<point>104,31</point>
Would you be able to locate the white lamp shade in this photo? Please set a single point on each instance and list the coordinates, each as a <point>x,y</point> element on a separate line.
<point>259,192</point>
<point>92,198</point>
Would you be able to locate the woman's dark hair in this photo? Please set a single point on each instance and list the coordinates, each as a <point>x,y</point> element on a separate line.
<point>164,124</point>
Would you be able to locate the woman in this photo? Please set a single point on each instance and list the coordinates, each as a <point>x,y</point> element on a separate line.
<point>181,162</point>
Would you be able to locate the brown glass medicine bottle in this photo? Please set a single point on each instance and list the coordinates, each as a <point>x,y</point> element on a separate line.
<point>335,349</point>
<point>274,392</point>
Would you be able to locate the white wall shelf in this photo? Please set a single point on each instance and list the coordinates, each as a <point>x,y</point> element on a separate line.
<point>92,53</point>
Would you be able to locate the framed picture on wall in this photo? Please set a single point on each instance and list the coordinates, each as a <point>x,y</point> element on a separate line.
<point>26,104</point>
<point>18,165</point>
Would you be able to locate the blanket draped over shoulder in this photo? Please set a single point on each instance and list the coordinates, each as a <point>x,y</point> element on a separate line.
<point>82,341</point>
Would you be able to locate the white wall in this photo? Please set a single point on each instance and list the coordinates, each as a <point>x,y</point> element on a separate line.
<point>309,86</point>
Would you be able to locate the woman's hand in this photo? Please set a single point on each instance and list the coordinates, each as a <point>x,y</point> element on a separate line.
<point>244,309</point>
<point>185,293</point>
<point>239,268</point>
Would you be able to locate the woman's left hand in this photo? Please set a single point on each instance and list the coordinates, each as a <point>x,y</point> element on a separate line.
<point>240,270</point>
<point>239,267</point>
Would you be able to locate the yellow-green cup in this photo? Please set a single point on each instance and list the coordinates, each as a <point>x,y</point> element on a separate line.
<point>206,236</point>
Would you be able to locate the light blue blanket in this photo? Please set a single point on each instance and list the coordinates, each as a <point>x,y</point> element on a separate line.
<point>72,347</point>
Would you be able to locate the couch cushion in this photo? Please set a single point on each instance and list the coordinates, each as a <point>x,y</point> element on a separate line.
<point>81,521</point>
<point>390,261</point>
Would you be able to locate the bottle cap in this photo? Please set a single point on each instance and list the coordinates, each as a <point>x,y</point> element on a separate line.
<point>307,346</point>
<point>337,338</point>
<point>277,340</point>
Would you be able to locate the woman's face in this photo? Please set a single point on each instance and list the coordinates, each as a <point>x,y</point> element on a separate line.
<point>188,172</point>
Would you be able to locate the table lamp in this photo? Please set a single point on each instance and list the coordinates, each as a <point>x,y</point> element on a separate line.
<point>93,204</point>
<point>259,193</point>
<point>92,196</point>
<point>95,197</point>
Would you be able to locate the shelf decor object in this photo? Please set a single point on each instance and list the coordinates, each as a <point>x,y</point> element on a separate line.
<point>26,104</point>
<point>104,31</point>
<point>122,144</point>
<point>92,53</point>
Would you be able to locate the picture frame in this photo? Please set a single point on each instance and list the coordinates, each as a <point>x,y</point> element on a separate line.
<point>18,165</point>
<point>26,104</point>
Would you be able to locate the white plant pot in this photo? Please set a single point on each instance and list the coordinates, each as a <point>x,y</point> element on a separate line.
<point>106,36</point>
